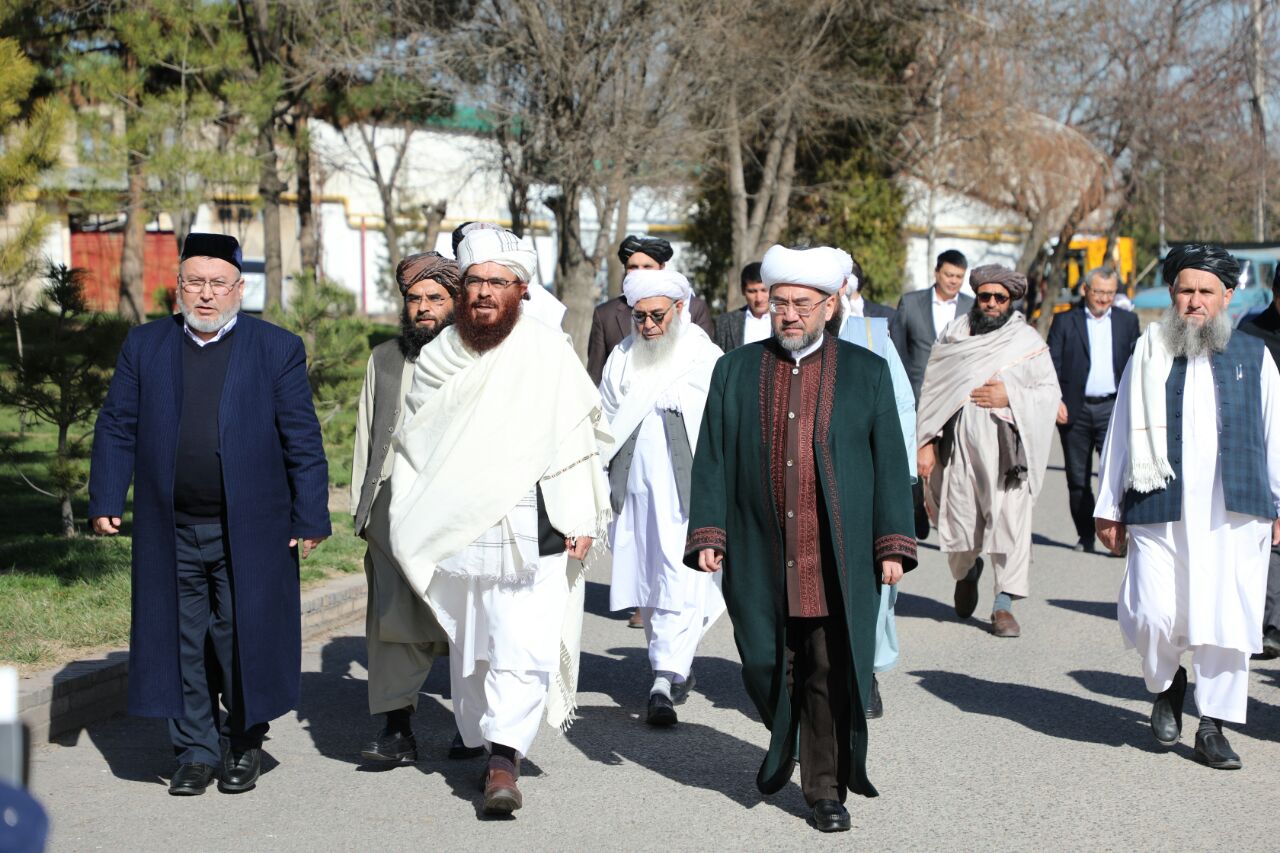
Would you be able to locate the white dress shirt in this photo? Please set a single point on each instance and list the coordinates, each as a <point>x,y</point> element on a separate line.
<point>756,328</point>
<point>944,311</point>
<point>1102,373</point>
<point>797,355</point>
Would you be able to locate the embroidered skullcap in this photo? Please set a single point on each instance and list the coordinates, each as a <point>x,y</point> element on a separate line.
<point>1014,282</point>
<point>822,268</point>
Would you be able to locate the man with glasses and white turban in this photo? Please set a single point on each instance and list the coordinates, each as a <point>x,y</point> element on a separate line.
<point>497,493</point>
<point>986,419</point>
<point>654,390</point>
<point>794,480</point>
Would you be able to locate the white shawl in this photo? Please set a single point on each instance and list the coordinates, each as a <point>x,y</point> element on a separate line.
<point>1149,467</point>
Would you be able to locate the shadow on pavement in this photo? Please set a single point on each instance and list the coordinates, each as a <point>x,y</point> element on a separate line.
<point>597,603</point>
<point>1101,609</point>
<point>1040,539</point>
<point>1049,712</point>
<point>920,607</point>
<point>137,749</point>
<point>627,680</point>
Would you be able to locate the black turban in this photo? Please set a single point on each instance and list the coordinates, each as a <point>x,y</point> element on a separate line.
<point>224,247</point>
<point>1202,256</point>
<point>655,247</point>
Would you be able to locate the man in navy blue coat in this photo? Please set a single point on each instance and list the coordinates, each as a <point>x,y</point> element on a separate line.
<point>210,414</point>
<point>1090,346</point>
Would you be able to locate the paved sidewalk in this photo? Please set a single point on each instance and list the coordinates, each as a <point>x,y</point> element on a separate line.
<point>1036,743</point>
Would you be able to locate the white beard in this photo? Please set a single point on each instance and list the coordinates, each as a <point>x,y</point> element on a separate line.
<point>1191,340</point>
<point>655,354</point>
<point>207,326</point>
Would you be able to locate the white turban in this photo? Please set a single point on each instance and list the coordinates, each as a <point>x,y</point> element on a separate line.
<point>822,268</point>
<point>487,245</point>
<point>643,284</point>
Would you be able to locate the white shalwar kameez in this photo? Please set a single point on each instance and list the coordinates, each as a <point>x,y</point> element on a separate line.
<point>1198,584</point>
<point>678,605</point>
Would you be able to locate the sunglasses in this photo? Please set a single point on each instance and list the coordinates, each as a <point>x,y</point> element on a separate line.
<point>1000,298</point>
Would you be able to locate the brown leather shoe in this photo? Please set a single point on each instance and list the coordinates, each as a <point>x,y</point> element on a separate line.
<point>1004,625</point>
<point>501,796</point>
<point>636,620</point>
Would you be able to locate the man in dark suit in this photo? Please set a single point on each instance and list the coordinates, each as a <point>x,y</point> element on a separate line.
<point>611,321</point>
<point>210,414</point>
<point>751,322</point>
<point>1267,326</point>
<point>1090,346</point>
<point>920,319</point>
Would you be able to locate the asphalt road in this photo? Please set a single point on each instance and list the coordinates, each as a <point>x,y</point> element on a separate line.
<point>1029,744</point>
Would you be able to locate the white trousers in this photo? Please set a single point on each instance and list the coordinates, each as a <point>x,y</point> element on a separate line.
<point>1222,675</point>
<point>497,705</point>
<point>673,637</point>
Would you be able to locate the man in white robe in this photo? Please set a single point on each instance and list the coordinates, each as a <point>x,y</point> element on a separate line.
<point>986,418</point>
<point>1191,472</point>
<point>497,494</point>
<point>654,390</point>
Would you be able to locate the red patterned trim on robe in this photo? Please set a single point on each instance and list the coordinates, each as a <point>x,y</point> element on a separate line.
<point>821,431</point>
<point>773,425</point>
<point>895,545</point>
<point>706,537</point>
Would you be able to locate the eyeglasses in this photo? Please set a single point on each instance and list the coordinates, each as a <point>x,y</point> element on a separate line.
<point>475,283</point>
<point>802,309</point>
<point>641,317</point>
<point>434,299</point>
<point>1000,298</point>
<point>220,287</point>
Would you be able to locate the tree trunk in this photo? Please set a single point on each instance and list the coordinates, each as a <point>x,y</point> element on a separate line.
<point>390,228</point>
<point>1257,106</point>
<point>737,205</point>
<point>434,214</point>
<point>269,188</point>
<point>133,288</point>
<point>308,242</point>
<point>575,274</point>
<point>1056,277</point>
<point>615,271</point>
<point>64,493</point>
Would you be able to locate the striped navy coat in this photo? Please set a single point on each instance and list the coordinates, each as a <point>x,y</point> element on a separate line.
<point>276,485</point>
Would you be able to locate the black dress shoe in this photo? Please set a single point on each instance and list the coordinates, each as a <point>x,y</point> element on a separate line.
<point>1271,644</point>
<point>1085,545</point>
<point>191,779</point>
<point>661,711</point>
<point>459,751</point>
<point>875,707</point>
<point>392,748</point>
<point>1166,713</point>
<point>240,771</point>
<point>1212,749</point>
<point>830,816</point>
<point>966,596</point>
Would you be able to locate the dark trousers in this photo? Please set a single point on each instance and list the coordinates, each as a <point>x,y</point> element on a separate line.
<point>922,514</point>
<point>1271,613</point>
<point>819,670</point>
<point>1080,440</point>
<point>207,651</point>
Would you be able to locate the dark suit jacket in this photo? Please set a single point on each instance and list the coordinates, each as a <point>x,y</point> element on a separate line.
<point>276,484</point>
<point>728,333</point>
<point>911,329</point>
<point>875,309</point>
<point>611,322</point>
<point>1069,348</point>
<point>1266,326</point>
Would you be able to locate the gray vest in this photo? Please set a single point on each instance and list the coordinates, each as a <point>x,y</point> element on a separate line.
<point>1242,449</point>
<point>388,363</point>
<point>681,462</point>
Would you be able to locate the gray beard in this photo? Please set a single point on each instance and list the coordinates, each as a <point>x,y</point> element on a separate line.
<point>207,326</point>
<point>797,344</point>
<point>649,354</point>
<point>1190,340</point>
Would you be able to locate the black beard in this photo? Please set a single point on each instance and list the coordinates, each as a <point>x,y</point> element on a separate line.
<point>981,324</point>
<point>413,338</point>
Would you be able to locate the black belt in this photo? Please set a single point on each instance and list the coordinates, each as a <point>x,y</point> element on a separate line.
<point>1104,398</point>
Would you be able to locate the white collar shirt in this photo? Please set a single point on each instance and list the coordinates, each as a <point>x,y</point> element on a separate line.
<point>756,328</point>
<point>1101,381</point>
<point>798,355</point>
<point>218,335</point>
<point>944,311</point>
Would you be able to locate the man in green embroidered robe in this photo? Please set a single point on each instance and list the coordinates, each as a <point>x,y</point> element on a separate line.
<point>807,539</point>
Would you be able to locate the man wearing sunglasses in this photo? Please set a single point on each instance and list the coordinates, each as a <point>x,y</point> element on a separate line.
<point>986,417</point>
<point>654,391</point>
<point>802,497</point>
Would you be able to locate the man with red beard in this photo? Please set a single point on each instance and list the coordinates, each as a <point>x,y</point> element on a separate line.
<point>401,633</point>
<point>497,483</point>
